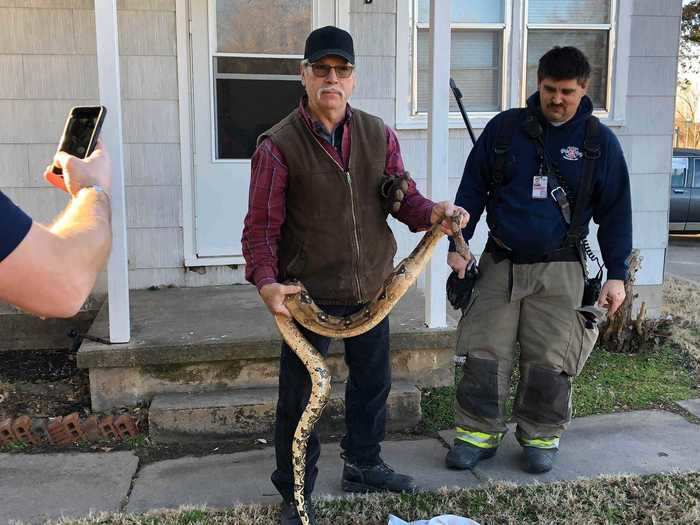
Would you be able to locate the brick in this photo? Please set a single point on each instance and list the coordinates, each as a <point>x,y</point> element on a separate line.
<point>126,426</point>
<point>107,428</point>
<point>58,433</point>
<point>22,428</point>
<point>91,429</point>
<point>6,434</point>
<point>72,425</point>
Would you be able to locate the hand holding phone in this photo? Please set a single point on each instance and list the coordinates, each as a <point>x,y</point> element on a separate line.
<point>75,152</point>
<point>81,132</point>
<point>96,170</point>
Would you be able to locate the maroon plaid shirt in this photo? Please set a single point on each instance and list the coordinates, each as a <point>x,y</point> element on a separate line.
<point>267,197</point>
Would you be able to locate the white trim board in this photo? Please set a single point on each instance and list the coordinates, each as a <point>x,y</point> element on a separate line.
<point>514,60</point>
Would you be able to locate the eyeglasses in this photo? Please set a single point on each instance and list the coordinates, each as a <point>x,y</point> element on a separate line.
<point>323,70</point>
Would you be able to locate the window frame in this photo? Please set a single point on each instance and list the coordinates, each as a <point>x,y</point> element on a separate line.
<point>321,10</point>
<point>609,27</point>
<point>406,82</point>
<point>514,62</point>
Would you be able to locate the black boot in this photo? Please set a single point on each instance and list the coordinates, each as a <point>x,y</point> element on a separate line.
<point>464,456</point>
<point>289,515</point>
<point>539,460</point>
<point>375,478</point>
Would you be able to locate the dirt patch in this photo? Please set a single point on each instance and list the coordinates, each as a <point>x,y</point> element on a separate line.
<point>42,384</point>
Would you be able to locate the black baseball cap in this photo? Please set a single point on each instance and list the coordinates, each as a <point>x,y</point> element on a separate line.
<point>329,40</point>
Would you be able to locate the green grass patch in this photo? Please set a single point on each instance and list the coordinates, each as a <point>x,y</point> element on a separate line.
<point>672,498</point>
<point>615,382</point>
<point>609,383</point>
<point>15,446</point>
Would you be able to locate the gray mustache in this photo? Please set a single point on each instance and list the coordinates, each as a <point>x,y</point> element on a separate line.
<point>331,90</point>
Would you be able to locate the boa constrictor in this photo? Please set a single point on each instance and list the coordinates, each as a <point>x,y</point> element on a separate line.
<point>310,316</point>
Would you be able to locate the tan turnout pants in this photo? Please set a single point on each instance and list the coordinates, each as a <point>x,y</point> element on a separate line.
<point>535,306</point>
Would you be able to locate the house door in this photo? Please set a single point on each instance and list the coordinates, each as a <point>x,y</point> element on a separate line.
<point>245,68</point>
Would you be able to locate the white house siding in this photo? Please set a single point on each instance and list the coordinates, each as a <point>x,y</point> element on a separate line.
<point>47,65</point>
<point>647,134</point>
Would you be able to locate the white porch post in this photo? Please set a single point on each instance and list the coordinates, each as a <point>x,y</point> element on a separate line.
<point>438,136</point>
<point>110,97</point>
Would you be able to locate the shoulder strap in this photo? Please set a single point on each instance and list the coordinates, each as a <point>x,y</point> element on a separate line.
<point>501,148</point>
<point>591,152</point>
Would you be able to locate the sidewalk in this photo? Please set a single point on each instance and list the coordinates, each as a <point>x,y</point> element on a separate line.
<point>36,487</point>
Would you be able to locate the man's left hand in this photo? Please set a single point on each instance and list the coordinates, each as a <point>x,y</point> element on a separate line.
<point>612,295</point>
<point>443,211</point>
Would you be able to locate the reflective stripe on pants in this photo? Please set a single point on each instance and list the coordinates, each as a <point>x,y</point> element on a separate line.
<point>479,439</point>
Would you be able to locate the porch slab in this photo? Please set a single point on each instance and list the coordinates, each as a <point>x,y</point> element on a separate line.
<point>22,331</point>
<point>219,323</point>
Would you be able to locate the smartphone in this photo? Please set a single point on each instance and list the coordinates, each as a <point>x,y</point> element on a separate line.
<point>81,132</point>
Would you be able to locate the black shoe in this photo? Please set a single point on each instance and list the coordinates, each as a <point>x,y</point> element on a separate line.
<point>463,456</point>
<point>289,515</point>
<point>375,478</point>
<point>539,460</point>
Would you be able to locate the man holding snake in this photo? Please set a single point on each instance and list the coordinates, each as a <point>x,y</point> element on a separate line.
<point>323,181</point>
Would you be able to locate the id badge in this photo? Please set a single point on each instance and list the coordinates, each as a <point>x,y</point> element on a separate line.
<point>539,187</point>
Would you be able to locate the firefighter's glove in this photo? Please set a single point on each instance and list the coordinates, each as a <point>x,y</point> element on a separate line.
<point>392,190</point>
<point>459,291</point>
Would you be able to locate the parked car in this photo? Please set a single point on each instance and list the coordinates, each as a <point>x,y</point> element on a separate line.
<point>684,215</point>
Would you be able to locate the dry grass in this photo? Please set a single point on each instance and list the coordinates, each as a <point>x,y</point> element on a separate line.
<point>672,498</point>
<point>682,301</point>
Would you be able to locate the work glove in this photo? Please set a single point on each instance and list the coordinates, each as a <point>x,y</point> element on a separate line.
<point>459,291</point>
<point>392,190</point>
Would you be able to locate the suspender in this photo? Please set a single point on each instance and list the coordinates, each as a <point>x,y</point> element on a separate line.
<point>591,152</point>
<point>502,147</point>
<point>557,189</point>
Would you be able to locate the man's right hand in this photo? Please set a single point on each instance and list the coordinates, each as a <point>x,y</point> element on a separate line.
<point>273,295</point>
<point>95,170</point>
<point>458,263</point>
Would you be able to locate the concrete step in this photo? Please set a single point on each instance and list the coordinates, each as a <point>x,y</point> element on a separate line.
<point>216,416</point>
<point>22,331</point>
<point>197,340</point>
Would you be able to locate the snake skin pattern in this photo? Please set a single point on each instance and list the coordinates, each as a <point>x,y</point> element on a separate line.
<point>310,316</point>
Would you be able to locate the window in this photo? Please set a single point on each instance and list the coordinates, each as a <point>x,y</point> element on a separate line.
<point>585,24</point>
<point>476,61</point>
<point>256,55</point>
<point>696,174</point>
<point>679,170</point>
<point>495,49</point>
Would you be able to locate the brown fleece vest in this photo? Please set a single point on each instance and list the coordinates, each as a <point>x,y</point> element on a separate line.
<point>335,238</point>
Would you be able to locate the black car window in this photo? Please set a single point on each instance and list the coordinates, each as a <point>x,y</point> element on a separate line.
<point>696,176</point>
<point>679,171</point>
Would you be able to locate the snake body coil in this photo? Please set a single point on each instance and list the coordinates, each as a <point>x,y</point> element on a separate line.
<point>310,316</point>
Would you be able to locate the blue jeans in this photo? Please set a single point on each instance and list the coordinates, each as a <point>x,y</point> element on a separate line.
<point>369,381</point>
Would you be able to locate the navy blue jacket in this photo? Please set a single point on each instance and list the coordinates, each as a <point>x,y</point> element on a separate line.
<point>536,227</point>
<point>14,226</point>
